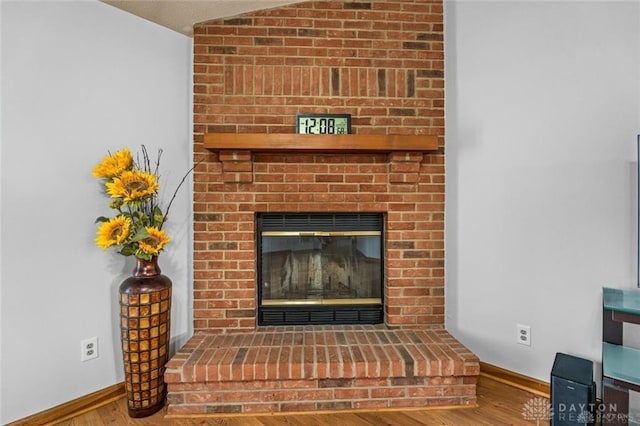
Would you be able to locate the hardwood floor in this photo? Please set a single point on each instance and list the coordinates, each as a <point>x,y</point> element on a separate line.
<point>498,404</point>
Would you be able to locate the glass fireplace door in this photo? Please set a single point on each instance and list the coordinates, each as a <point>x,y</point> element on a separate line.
<point>321,268</point>
<point>319,276</point>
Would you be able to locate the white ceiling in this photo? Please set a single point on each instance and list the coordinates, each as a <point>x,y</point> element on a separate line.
<point>180,15</point>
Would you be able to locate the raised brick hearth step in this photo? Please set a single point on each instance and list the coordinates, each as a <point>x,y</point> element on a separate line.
<point>320,368</point>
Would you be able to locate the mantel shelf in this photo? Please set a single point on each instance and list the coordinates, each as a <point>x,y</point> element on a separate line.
<point>291,142</point>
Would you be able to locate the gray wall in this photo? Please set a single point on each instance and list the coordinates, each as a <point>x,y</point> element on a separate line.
<point>543,110</point>
<point>80,79</point>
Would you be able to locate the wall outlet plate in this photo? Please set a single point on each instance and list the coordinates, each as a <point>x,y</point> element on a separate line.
<point>524,334</point>
<point>89,349</point>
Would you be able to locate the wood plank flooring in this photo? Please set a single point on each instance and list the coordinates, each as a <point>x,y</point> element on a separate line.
<point>498,404</point>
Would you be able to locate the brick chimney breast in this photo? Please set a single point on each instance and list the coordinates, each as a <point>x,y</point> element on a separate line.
<point>382,61</point>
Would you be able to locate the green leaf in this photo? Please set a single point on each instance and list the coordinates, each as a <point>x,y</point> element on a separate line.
<point>143,255</point>
<point>101,219</point>
<point>140,234</point>
<point>127,251</point>
<point>158,217</point>
<point>116,204</point>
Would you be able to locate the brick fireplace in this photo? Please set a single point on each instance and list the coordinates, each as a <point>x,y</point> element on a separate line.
<point>382,62</point>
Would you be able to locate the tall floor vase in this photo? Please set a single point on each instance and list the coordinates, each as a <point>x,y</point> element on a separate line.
<point>145,319</point>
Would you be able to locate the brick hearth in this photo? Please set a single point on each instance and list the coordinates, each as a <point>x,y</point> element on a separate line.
<point>317,368</point>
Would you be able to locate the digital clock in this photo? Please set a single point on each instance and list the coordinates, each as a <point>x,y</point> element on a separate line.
<point>323,124</point>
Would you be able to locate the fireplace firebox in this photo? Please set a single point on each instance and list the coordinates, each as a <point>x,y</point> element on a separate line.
<point>320,268</point>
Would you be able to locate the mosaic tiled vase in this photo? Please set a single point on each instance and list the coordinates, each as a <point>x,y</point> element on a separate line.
<point>145,316</point>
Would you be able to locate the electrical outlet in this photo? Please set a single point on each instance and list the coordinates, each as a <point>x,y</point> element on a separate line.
<point>89,349</point>
<point>524,334</point>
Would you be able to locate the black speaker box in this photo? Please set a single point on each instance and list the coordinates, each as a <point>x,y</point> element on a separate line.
<point>573,391</point>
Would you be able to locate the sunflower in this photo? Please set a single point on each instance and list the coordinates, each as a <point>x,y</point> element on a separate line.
<point>133,190</point>
<point>113,165</point>
<point>133,185</point>
<point>155,242</point>
<point>113,232</point>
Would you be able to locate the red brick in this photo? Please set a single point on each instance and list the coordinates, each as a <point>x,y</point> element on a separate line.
<point>370,404</point>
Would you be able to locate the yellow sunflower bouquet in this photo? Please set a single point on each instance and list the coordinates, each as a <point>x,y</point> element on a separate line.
<point>133,188</point>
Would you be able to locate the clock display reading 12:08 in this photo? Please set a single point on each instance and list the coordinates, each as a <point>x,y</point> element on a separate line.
<point>323,124</point>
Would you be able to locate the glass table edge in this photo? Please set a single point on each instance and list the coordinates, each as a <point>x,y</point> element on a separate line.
<point>621,300</point>
<point>611,363</point>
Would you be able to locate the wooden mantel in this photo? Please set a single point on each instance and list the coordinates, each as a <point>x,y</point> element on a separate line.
<point>285,142</point>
